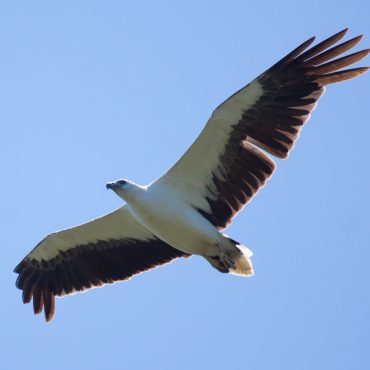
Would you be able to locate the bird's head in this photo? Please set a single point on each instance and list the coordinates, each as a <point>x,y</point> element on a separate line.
<point>124,189</point>
<point>118,185</point>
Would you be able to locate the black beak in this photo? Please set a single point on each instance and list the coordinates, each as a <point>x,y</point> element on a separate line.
<point>111,185</point>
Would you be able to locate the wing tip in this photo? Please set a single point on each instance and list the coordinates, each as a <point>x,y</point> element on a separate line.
<point>340,76</point>
<point>17,269</point>
<point>342,32</point>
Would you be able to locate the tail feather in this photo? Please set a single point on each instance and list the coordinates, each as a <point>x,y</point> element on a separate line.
<point>233,258</point>
<point>243,264</point>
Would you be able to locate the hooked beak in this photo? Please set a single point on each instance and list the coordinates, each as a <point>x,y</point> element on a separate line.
<point>111,185</point>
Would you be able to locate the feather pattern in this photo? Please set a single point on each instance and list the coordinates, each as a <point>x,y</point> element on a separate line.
<point>59,266</point>
<point>224,168</point>
<point>221,172</point>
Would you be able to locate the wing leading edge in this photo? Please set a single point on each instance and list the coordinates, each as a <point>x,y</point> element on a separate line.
<point>111,248</point>
<point>224,168</point>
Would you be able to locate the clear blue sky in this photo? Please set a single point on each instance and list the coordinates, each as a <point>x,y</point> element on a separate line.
<point>92,91</point>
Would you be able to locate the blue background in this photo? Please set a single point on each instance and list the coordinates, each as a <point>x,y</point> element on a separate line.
<point>92,91</point>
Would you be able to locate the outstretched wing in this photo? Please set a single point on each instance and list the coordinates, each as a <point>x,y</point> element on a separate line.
<point>108,249</point>
<point>223,169</point>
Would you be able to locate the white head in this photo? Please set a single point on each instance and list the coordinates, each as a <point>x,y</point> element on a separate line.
<point>125,189</point>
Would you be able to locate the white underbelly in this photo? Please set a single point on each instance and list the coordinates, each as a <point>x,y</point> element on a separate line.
<point>178,225</point>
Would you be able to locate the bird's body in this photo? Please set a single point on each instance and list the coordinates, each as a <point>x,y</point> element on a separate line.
<point>161,210</point>
<point>174,221</point>
<point>185,211</point>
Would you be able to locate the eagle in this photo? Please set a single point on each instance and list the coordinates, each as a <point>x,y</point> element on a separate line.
<point>185,211</point>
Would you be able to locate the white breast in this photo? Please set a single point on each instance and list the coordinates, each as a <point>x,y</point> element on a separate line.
<point>168,217</point>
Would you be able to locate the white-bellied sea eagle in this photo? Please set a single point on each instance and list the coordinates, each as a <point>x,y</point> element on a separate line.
<point>185,211</point>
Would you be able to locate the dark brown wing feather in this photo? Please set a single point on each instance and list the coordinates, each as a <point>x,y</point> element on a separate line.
<point>86,266</point>
<point>291,89</point>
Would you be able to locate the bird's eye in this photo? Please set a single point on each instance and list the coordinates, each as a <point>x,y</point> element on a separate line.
<point>121,182</point>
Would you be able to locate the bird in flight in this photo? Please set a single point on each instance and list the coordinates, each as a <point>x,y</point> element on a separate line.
<point>185,211</point>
